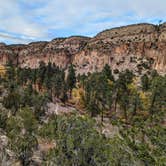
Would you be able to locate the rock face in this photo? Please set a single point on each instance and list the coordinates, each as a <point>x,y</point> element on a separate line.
<point>132,47</point>
<point>125,47</point>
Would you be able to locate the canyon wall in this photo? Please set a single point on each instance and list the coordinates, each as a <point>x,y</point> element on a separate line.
<point>129,47</point>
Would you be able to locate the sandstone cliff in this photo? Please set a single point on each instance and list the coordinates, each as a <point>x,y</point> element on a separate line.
<point>134,47</point>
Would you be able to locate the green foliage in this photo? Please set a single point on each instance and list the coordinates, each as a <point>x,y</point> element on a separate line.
<point>158,95</point>
<point>3,118</point>
<point>24,147</point>
<point>146,141</point>
<point>71,78</point>
<point>98,93</point>
<point>40,105</point>
<point>49,130</point>
<point>108,72</point>
<point>145,82</point>
<point>24,119</point>
<point>49,78</point>
<point>121,153</point>
<point>21,129</point>
<point>79,143</point>
<point>123,92</point>
<point>10,73</point>
<point>12,101</point>
<point>59,86</point>
<point>138,111</point>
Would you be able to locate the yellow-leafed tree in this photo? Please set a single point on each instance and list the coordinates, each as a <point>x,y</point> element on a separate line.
<point>2,71</point>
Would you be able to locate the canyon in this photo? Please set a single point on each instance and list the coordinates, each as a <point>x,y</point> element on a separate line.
<point>133,47</point>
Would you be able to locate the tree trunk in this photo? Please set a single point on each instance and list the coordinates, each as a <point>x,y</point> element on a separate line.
<point>125,114</point>
<point>135,109</point>
<point>116,100</point>
<point>152,104</point>
<point>102,116</point>
<point>70,91</point>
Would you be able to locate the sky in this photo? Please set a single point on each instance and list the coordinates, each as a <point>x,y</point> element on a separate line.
<point>24,21</point>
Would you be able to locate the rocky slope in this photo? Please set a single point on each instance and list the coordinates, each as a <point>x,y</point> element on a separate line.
<point>135,47</point>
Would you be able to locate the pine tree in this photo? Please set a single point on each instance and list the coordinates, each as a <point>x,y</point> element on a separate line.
<point>71,78</point>
<point>98,94</point>
<point>108,72</point>
<point>10,71</point>
<point>123,92</point>
<point>145,82</point>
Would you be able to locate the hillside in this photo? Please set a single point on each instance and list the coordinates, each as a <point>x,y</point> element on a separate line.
<point>82,101</point>
<point>121,48</point>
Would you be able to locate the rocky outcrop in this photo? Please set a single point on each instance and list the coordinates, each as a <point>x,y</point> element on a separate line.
<point>135,47</point>
<point>125,47</point>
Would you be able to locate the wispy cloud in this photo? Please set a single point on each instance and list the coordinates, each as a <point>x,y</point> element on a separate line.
<point>5,37</point>
<point>43,20</point>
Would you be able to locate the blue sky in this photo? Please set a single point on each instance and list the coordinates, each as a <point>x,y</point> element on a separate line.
<point>23,21</point>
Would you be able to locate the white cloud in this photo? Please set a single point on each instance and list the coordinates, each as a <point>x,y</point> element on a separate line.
<point>35,18</point>
<point>13,20</point>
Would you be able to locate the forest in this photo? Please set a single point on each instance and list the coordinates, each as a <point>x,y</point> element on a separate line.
<point>119,118</point>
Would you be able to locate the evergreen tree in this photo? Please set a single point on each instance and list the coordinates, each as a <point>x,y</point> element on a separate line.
<point>145,82</point>
<point>20,130</point>
<point>108,72</point>
<point>98,94</point>
<point>41,74</point>
<point>123,92</point>
<point>12,101</point>
<point>48,76</point>
<point>10,71</point>
<point>71,78</point>
<point>158,95</point>
<point>3,118</point>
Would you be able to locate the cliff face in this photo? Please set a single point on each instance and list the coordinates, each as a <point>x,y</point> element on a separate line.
<point>133,47</point>
<point>125,47</point>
